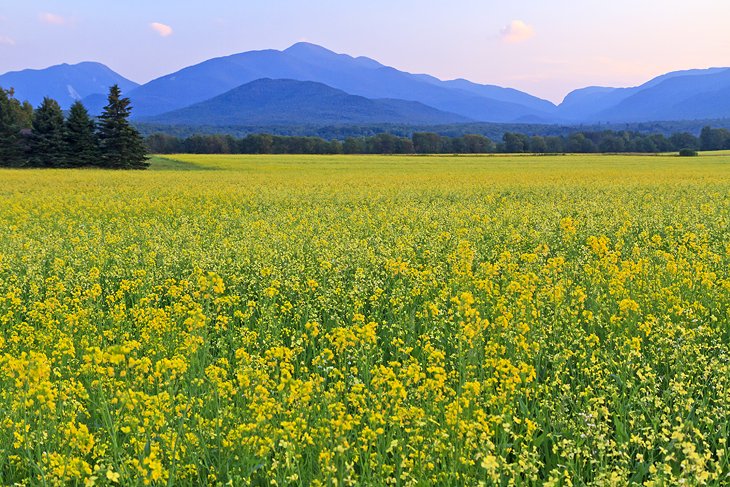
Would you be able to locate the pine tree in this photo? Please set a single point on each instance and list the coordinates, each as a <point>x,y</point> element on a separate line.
<point>81,141</point>
<point>122,147</point>
<point>47,141</point>
<point>11,149</point>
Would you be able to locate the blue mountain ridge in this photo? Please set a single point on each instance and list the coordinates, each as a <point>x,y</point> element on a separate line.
<point>596,103</point>
<point>307,62</point>
<point>65,83</point>
<point>682,95</point>
<point>291,102</point>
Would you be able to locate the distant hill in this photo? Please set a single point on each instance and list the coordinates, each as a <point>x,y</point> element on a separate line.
<point>291,102</point>
<point>65,83</point>
<point>509,95</point>
<point>357,76</point>
<point>651,101</point>
<point>687,97</point>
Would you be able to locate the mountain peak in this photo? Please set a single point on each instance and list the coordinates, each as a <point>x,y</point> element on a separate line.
<point>309,49</point>
<point>309,52</point>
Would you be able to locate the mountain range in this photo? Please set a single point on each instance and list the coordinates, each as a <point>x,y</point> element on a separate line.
<point>65,83</point>
<point>309,84</point>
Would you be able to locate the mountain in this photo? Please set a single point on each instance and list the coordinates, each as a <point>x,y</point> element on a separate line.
<point>650,101</point>
<point>685,97</point>
<point>699,94</point>
<point>499,93</point>
<point>308,62</point>
<point>291,102</point>
<point>66,83</point>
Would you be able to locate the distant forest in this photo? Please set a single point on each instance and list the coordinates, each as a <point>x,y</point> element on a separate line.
<point>491,130</point>
<point>606,141</point>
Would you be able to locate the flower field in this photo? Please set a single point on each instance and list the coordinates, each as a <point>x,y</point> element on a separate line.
<point>334,320</point>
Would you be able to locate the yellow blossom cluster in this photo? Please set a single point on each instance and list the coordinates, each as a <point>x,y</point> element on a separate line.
<point>329,321</point>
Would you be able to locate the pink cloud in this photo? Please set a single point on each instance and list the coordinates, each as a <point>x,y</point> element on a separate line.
<point>6,41</point>
<point>162,29</point>
<point>52,19</point>
<point>517,31</point>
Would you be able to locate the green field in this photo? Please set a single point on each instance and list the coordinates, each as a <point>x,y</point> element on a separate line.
<point>367,320</point>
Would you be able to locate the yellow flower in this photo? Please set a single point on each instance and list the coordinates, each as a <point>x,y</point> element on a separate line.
<point>112,476</point>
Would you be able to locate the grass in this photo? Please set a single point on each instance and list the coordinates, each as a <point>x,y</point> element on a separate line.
<point>160,163</point>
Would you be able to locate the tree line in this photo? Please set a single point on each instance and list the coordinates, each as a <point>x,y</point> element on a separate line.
<point>46,137</point>
<point>606,141</point>
<point>492,130</point>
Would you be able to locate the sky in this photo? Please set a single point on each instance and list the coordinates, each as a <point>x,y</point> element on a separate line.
<point>545,47</point>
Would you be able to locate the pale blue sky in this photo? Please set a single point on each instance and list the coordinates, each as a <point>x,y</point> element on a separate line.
<point>546,47</point>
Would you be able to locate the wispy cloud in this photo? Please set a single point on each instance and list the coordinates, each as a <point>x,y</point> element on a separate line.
<point>162,29</point>
<point>517,31</point>
<point>6,41</point>
<point>53,19</point>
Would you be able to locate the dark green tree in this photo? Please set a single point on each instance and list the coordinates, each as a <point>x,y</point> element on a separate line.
<point>515,143</point>
<point>554,144</point>
<point>11,149</point>
<point>579,143</point>
<point>477,144</point>
<point>122,147</point>
<point>260,144</point>
<point>683,140</point>
<point>47,141</point>
<point>537,144</point>
<point>426,143</point>
<point>81,142</point>
<point>611,143</point>
<point>714,139</point>
<point>353,145</point>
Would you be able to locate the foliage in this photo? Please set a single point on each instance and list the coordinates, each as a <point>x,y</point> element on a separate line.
<point>302,320</point>
<point>493,131</point>
<point>81,141</point>
<point>43,138</point>
<point>714,139</point>
<point>47,142</point>
<point>14,117</point>
<point>120,144</point>
<point>424,143</point>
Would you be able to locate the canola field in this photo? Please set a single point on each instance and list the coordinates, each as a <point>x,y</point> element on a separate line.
<point>341,321</point>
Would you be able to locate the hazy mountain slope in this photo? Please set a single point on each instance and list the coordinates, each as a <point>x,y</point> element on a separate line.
<point>670,99</point>
<point>290,102</point>
<point>307,62</point>
<point>316,54</point>
<point>66,83</point>
<point>509,95</point>
<point>596,103</point>
<point>709,105</point>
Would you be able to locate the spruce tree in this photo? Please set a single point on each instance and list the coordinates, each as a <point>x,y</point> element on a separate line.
<point>122,147</point>
<point>47,141</point>
<point>81,141</point>
<point>11,149</point>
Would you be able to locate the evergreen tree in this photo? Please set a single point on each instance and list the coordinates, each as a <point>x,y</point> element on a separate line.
<point>81,141</point>
<point>47,142</point>
<point>11,149</point>
<point>121,145</point>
